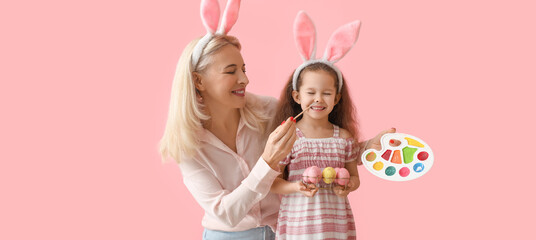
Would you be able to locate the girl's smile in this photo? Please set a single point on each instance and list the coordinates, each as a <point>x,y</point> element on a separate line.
<point>318,108</point>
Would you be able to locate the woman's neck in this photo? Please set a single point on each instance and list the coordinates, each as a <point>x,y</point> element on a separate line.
<point>222,119</point>
<point>223,123</point>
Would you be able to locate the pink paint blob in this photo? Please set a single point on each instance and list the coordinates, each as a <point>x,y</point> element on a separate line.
<point>404,172</point>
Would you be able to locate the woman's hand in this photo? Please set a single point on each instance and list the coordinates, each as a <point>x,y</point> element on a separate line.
<point>280,143</point>
<point>308,190</point>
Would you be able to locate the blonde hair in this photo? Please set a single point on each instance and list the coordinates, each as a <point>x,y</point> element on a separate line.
<point>185,115</point>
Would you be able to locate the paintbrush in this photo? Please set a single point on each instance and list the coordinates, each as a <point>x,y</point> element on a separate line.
<point>304,110</point>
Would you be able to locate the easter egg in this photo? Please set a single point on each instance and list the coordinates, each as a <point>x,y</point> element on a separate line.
<point>343,176</point>
<point>329,175</point>
<point>305,175</point>
<point>315,174</point>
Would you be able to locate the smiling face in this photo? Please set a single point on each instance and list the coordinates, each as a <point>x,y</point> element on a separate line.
<point>223,83</point>
<point>318,87</point>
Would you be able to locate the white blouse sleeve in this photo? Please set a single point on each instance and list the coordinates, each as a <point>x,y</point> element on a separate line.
<point>230,207</point>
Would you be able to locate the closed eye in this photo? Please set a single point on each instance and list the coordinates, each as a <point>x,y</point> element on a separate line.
<point>230,69</point>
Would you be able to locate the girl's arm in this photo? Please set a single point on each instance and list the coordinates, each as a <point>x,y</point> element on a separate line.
<point>354,175</point>
<point>354,156</point>
<point>282,186</point>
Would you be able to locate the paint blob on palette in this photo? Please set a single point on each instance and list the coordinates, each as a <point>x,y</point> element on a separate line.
<point>403,157</point>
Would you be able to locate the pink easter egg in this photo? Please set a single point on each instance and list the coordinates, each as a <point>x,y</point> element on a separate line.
<point>343,176</point>
<point>336,173</point>
<point>305,175</point>
<point>315,174</point>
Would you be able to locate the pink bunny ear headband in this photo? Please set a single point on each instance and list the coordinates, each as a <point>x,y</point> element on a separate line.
<point>340,42</point>
<point>210,14</point>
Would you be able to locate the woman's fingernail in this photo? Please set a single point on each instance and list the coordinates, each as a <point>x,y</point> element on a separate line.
<point>292,119</point>
<point>283,123</point>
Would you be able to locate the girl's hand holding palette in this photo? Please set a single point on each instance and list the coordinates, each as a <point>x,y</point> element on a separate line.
<point>403,157</point>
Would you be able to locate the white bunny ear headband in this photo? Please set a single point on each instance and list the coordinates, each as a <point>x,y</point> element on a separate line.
<point>210,14</point>
<point>340,42</point>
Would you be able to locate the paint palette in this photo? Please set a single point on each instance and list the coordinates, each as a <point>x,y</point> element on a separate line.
<point>403,157</point>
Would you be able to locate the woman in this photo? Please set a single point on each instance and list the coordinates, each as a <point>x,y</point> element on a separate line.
<point>217,132</point>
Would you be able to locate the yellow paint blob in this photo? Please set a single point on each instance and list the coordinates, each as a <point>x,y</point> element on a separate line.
<point>378,166</point>
<point>414,142</point>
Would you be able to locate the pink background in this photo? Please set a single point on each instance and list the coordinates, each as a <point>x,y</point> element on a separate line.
<point>85,85</point>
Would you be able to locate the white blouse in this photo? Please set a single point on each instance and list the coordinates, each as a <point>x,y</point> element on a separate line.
<point>234,188</point>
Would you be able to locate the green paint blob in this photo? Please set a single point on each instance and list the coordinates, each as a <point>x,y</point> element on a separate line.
<point>390,171</point>
<point>408,154</point>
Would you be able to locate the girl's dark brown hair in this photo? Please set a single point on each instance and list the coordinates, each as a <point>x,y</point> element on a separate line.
<point>342,115</point>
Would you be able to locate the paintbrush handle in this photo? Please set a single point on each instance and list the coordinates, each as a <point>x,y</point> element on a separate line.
<point>303,111</point>
<point>299,114</point>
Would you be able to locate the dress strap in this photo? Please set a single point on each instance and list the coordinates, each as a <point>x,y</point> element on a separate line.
<point>335,131</point>
<point>299,133</point>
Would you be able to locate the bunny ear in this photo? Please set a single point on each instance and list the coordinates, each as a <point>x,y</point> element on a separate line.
<point>341,41</point>
<point>305,36</point>
<point>229,16</point>
<point>210,14</point>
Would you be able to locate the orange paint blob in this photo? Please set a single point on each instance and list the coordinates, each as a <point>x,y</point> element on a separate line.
<point>397,158</point>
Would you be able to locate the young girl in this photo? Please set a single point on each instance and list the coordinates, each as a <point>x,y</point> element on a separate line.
<point>327,137</point>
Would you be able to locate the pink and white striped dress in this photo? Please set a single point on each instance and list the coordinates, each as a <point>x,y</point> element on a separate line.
<point>324,216</point>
